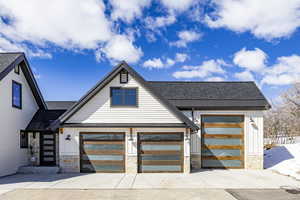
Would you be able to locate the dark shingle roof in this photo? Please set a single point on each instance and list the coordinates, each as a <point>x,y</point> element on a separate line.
<point>59,105</point>
<point>6,59</point>
<point>212,95</point>
<point>42,119</point>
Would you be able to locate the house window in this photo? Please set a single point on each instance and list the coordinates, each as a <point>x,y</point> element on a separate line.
<point>17,69</point>
<point>23,140</point>
<point>124,76</point>
<point>16,95</point>
<point>123,96</point>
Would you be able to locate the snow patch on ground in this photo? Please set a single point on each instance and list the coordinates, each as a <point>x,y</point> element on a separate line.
<point>284,159</point>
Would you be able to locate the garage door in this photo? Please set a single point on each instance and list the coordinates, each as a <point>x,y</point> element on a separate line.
<point>222,141</point>
<point>160,152</point>
<point>102,152</point>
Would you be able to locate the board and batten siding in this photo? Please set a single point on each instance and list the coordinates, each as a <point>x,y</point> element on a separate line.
<point>12,121</point>
<point>99,110</point>
<point>253,131</point>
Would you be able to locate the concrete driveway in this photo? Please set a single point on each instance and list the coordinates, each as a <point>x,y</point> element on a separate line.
<point>211,179</point>
<point>206,185</point>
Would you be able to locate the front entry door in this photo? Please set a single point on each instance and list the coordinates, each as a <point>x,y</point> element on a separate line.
<point>47,149</point>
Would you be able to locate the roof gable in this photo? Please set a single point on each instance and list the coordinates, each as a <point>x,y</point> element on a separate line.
<point>8,61</point>
<point>107,79</point>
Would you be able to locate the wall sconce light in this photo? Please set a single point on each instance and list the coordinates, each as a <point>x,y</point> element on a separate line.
<point>187,136</point>
<point>68,137</point>
<point>251,120</point>
<point>130,137</point>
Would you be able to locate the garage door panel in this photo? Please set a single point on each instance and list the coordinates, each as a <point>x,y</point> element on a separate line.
<point>222,163</point>
<point>102,168</point>
<point>221,152</point>
<point>160,152</point>
<point>222,141</point>
<point>222,130</point>
<point>101,153</point>
<point>218,141</point>
<point>161,168</point>
<point>103,137</point>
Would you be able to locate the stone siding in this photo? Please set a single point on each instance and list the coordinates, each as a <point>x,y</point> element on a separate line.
<point>69,163</point>
<point>131,165</point>
<point>254,162</point>
<point>196,161</point>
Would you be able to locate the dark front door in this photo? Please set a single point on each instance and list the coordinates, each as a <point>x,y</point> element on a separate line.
<point>47,149</point>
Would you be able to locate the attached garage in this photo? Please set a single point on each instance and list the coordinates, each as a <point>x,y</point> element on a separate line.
<point>222,141</point>
<point>160,152</point>
<point>102,152</point>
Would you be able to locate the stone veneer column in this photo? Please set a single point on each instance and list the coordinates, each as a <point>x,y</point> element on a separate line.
<point>131,164</point>
<point>131,155</point>
<point>34,142</point>
<point>69,163</point>
<point>254,162</point>
<point>196,161</point>
<point>187,164</point>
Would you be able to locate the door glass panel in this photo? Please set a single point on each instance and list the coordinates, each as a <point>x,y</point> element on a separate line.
<point>48,153</point>
<point>48,136</point>
<point>221,152</point>
<point>160,157</point>
<point>233,131</point>
<point>102,157</point>
<point>160,137</point>
<point>48,159</point>
<point>103,136</point>
<point>160,167</point>
<point>222,119</point>
<point>48,147</point>
<point>103,146</point>
<point>221,163</point>
<point>48,142</point>
<point>215,141</point>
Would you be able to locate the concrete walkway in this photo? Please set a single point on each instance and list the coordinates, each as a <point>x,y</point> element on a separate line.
<point>213,179</point>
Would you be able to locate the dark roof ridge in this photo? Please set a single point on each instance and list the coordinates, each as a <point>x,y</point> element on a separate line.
<point>201,81</point>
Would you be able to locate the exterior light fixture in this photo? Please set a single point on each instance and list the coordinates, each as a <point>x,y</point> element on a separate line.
<point>68,137</point>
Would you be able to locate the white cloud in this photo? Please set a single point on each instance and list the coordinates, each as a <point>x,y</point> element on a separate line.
<point>252,60</point>
<point>286,71</point>
<point>68,23</point>
<point>181,57</point>
<point>157,63</point>
<point>215,79</point>
<point>158,22</point>
<point>121,47</point>
<point>186,37</point>
<point>9,46</point>
<point>178,5</point>
<point>266,19</point>
<point>244,76</point>
<point>128,10</point>
<point>206,69</point>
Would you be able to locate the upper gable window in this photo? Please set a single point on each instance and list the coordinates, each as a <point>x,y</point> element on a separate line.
<point>16,95</point>
<point>123,76</point>
<point>123,97</point>
<point>17,69</point>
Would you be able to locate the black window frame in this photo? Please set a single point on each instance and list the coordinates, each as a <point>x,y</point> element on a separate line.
<point>124,72</point>
<point>12,95</point>
<point>24,143</point>
<point>124,88</point>
<point>17,69</point>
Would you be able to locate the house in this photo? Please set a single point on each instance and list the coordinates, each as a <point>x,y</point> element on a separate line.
<point>130,125</point>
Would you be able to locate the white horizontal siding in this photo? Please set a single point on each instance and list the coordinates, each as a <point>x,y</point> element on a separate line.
<point>12,121</point>
<point>98,109</point>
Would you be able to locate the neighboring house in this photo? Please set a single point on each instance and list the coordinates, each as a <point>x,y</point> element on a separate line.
<point>127,124</point>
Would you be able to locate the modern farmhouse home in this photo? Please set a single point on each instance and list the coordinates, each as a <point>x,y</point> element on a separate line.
<point>129,125</point>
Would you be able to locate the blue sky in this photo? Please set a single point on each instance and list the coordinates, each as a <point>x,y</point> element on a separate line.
<point>71,44</point>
